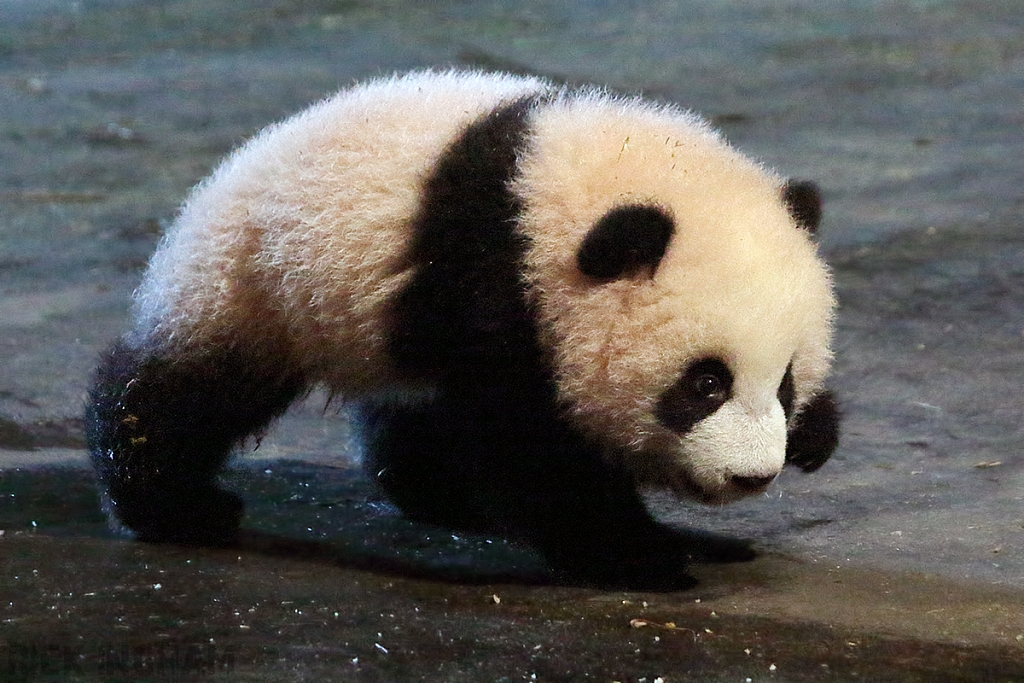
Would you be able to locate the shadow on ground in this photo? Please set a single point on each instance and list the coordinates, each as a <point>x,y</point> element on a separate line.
<point>326,583</point>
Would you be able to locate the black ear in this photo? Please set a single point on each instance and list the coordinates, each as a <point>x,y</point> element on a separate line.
<point>815,435</point>
<point>803,199</point>
<point>626,239</point>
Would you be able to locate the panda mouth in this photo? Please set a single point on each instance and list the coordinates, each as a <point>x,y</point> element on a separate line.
<point>670,471</point>
<point>685,486</point>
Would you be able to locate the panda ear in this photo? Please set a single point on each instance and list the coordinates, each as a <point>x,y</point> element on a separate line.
<point>803,200</point>
<point>625,240</point>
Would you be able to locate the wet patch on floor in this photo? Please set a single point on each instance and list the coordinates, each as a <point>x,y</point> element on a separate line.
<point>41,434</point>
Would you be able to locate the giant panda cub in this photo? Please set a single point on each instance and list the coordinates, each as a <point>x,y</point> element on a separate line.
<point>539,302</point>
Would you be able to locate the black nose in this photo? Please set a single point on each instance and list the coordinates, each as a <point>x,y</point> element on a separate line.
<point>751,484</point>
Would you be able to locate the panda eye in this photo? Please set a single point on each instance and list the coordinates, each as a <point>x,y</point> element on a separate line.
<point>707,386</point>
<point>710,381</point>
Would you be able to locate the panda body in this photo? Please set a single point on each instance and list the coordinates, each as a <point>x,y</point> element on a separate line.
<point>540,301</point>
<point>316,214</point>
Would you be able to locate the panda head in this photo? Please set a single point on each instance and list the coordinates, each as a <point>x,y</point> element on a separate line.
<point>684,309</point>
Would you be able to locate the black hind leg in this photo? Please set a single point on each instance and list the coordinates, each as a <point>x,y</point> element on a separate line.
<point>160,428</point>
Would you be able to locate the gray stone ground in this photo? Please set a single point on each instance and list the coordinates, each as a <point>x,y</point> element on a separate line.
<point>900,560</point>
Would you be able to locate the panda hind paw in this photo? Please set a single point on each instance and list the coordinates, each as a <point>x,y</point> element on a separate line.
<point>207,517</point>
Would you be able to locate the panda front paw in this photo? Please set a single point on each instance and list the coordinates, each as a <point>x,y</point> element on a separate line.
<point>650,573</point>
<point>618,565</point>
<point>206,516</point>
<point>701,546</point>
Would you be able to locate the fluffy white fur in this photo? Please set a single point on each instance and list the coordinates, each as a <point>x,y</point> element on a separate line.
<point>302,231</point>
<point>300,235</point>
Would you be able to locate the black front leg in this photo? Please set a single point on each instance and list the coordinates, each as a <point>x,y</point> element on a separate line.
<point>601,535</point>
<point>423,459</point>
<point>160,427</point>
<point>596,530</point>
<point>493,462</point>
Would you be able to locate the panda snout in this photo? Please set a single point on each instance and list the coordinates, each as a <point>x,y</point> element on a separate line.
<point>733,453</point>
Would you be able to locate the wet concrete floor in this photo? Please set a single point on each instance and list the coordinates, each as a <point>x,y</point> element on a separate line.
<point>900,560</point>
<point>329,584</point>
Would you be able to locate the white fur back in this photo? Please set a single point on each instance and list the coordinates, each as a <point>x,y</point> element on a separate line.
<point>302,230</point>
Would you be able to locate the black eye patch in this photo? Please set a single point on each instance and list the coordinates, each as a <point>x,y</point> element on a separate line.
<point>701,389</point>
